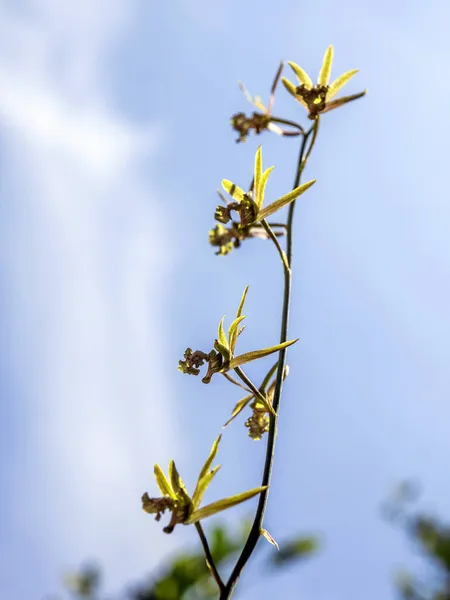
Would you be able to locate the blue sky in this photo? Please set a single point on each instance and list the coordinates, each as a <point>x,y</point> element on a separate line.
<point>114,137</point>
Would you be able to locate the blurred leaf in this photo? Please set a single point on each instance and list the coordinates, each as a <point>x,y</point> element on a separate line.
<point>293,550</point>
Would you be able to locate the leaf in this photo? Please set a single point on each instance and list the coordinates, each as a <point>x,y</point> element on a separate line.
<point>241,303</point>
<point>234,190</point>
<point>257,178</point>
<point>215,507</point>
<point>233,332</point>
<point>239,408</point>
<point>242,359</point>
<point>341,101</point>
<point>269,210</point>
<point>325,71</point>
<point>302,75</point>
<point>211,457</point>
<point>269,538</point>
<point>163,484</point>
<point>339,83</point>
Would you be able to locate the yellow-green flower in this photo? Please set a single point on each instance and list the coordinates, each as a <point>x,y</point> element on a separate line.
<point>184,508</point>
<point>222,358</point>
<point>318,98</point>
<point>258,423</point>
<point>250,208</point>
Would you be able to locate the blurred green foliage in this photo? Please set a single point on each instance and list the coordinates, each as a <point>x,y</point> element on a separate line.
<point>186,577</point>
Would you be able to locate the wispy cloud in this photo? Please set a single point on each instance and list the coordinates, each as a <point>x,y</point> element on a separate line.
<point>85,275</point>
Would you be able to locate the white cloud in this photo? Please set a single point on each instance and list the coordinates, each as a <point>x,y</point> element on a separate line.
<point>86,271</point>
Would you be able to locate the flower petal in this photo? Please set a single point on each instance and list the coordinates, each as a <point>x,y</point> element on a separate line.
<point>302,75</point>
<point>341,101</point>
<point>163,483</point>
<point>325,71</point>
<point>202,485</point>
<point>211,457</point>
<point>234,190</point>
<point>237,361</point>
<point>223,341</point>
<point>269,210</point>
<point>339,83</point>
<point>239,408</point>
<point>241,303</point>
<point>177,483</point>
<point>257,178</point>
<point>215,507</point>
<point>233,332</point>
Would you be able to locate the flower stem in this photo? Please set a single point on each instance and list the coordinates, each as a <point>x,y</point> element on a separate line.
<point>255,531</point>
<point>208,557</point>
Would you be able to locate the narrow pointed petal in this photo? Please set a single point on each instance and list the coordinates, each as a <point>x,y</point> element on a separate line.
<point>241,303</point>
<point>302,75</point>
<point>257,178</point>
<point>234,190</point>
<point>325,71</point>
<point>201,487</point>
<point>267,378</point>
<point>237,361</point>
<point>289,86</point>
<point>265,177</point>
<point>233,332</point>
<point>163,483</point>
<point>239,408</point>
<point>270,539</point>
<point>269,210</point>
<point>339,83</point>
<point>222,340</point>
<point>175,480</point>
<point>341,101</point>
<point>215,507</point>
<point>212,455</point>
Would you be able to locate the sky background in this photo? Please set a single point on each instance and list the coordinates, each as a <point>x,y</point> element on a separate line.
<point>114,135</point>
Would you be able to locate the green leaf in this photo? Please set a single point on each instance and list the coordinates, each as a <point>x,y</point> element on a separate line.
<point>242,359</point>
<point>339,83</point>
<point>269,210</point>
<point>325,71</point>
<point>341,101</point>
<point>163,484</point>
<point>302,75</point>
<point>289,86</point>
<point>234,190</point>
<point>233,332</point>
<point>202,485</point>
<point>239,408</point>
<point>215,507</point>
<point>212,455</point>
<point>241,303</point>
<point>257,178</point>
